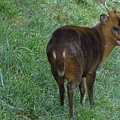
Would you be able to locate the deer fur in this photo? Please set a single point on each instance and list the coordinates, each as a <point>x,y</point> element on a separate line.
<point>75,53</point>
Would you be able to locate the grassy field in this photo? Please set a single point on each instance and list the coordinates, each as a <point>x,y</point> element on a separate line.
<point>27,88</point>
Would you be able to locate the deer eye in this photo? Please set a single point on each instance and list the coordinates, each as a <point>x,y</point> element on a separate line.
<point>115,28</point>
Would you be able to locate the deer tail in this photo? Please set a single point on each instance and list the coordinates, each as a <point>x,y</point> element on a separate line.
<point>60,62</point>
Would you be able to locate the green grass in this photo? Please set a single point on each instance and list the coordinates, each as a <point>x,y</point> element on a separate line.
<point>27,88</point>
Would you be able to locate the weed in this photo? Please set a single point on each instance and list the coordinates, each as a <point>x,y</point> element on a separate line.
<point>27,88</point>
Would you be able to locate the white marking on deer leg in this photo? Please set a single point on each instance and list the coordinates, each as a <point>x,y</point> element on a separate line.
<point>83,101</point>
<point>54,55</point>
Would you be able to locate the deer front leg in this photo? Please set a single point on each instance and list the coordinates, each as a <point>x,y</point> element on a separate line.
<point>82,91</point>
<point>90,79</point>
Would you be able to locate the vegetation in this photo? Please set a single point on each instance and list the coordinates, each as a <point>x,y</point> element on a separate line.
<point>27,89</point>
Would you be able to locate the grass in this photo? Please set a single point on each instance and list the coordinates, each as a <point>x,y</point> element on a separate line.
<point>27,88</point>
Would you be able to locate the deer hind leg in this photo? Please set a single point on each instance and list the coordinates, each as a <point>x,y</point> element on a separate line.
<point>90,79</point>
<point>61,90</point>
<point>60,82</point>
<point>70,98</point>
<point>82,91</point>
<point>72,85</point>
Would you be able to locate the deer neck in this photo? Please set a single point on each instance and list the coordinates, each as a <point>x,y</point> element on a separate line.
<point>108,46</point>
<point>107,50</point>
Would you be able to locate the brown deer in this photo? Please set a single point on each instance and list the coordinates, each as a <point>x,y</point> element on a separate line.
<point>76,52</point>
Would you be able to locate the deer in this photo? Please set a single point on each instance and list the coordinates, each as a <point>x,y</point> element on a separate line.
<point>75,53</point>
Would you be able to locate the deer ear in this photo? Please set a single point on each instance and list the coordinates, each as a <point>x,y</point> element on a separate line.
<point>103,18</point>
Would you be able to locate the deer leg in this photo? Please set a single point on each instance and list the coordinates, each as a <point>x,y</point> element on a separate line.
<point>82,91</point>
<point>61,91</point>
<point>70,98</point>
<point>90,79</point>
<point>60,82</point>
<point>71,87</point>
